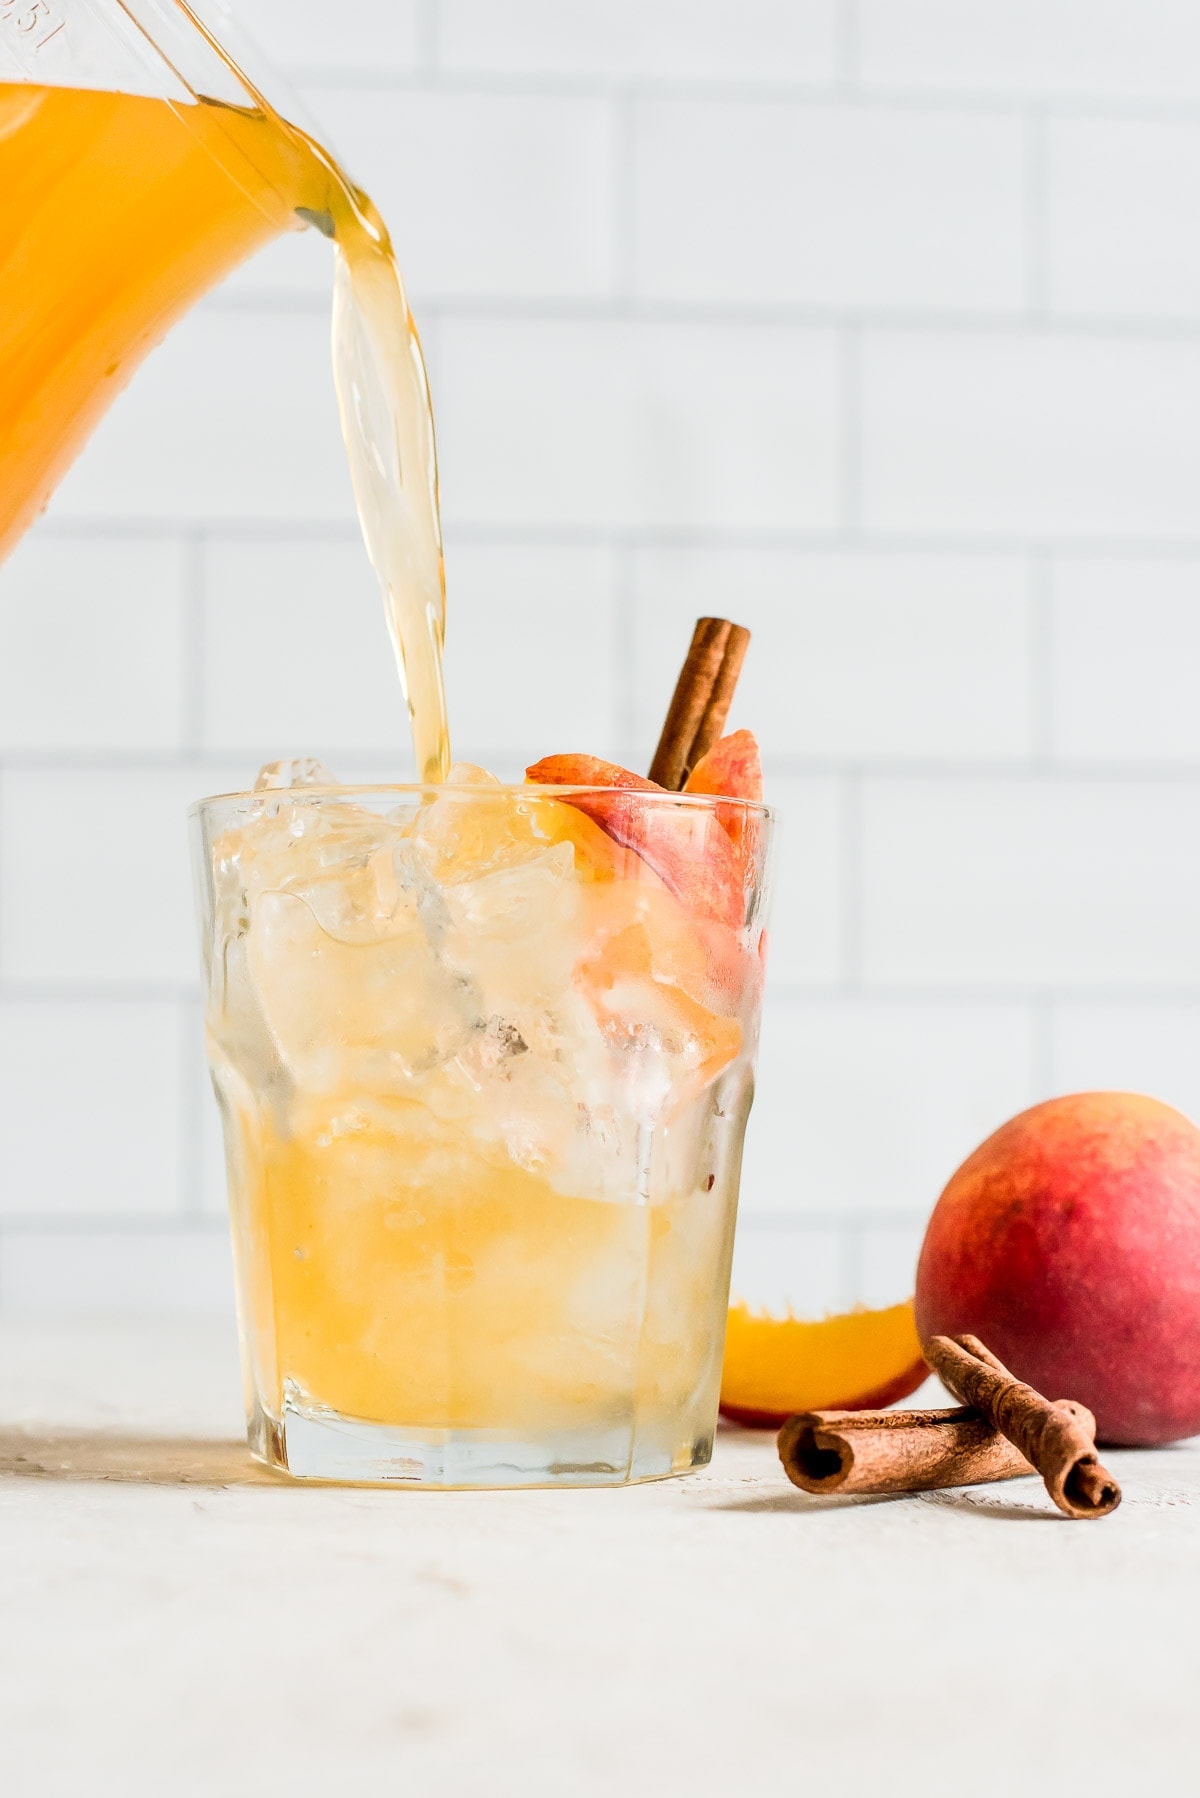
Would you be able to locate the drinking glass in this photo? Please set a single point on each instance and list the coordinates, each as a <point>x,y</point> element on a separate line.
<point>484,1058</point>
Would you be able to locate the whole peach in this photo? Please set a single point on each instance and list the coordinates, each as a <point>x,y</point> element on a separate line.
<point>1069,1242</point>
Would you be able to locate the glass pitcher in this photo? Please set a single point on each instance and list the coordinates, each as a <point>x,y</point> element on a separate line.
<point>139,162</point>
<point>137,168</point>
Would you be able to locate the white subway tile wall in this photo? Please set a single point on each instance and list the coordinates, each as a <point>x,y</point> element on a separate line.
<point>873,323</point>
<point>618,425</point>
<point>1146,50</point>
<point>672,41</point>
<point>764,203</point>
<point>365,39</point>
<point>493,196</point>
<point>1121,201</point>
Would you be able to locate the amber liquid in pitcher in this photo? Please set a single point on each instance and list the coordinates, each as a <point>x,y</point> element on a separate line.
<point>119,211</point>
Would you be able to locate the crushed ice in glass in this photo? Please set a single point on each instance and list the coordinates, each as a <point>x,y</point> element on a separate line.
<point>433,955</point>
<point>293,771</point>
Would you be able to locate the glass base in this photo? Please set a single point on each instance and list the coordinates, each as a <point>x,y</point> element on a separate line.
<point>310,1442</point>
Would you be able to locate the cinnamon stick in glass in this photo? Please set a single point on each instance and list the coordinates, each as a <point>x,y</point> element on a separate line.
<point>1057,1436</point>
<point>701,701</point>
<point>895,1451</point>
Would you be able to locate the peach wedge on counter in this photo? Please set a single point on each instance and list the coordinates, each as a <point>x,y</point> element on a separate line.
<point>776,1366</point>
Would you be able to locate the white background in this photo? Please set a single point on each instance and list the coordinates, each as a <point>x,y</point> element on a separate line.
<point>875,326</point>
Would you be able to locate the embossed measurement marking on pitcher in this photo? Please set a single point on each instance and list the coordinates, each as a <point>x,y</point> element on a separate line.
<point>27,17</point>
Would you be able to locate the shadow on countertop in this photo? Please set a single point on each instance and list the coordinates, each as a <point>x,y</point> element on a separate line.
<point>91,1455</point>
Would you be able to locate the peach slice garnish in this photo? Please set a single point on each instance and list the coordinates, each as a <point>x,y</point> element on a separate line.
<point>598,857</point>
<point>686,847</point>
<point>732,769</point>
<point>858,1361</point>
<point>637,983</point>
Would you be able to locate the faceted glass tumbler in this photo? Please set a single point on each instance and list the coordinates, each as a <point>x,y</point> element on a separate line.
<point>484,1058</point>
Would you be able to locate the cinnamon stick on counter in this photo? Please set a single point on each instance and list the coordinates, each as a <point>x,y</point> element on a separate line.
<point>1005,1429</point>
<point>1058,1437</point>
<point>895,1451</point>
<point>700,706</point>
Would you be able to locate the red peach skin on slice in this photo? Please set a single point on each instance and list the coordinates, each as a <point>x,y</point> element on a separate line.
<point>733,769</point>
<point>686,846</point>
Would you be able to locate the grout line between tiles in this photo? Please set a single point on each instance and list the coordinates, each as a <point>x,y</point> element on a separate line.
<point>1181,995</point>
<point>1037,217</point>
<point>624,248</point>
<point>850,508</point>
<point>851,870</point>
<point>846,52</point>
<point>624,654</point>
<point>603,306</point>
<point>84,1224</point>
<point>846,85</point>
<point>532,533</point>
<point>1041,1045</point>
<point>191,1134</point>
<point>1041,659</point>
<point>228,768</point>
<point>750,1221</point>
<point>192,672</point>
<point>428,38</point>
<point>851,1262</point>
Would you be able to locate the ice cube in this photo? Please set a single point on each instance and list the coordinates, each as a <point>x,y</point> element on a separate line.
<point>447,958</point>
<point>549,1079</point>
<point>362,1017</point>
<point>337,856</point>
<point>471,828</point>
<point>293,771</point>
<point>469,774</point>
<point>515,932</point>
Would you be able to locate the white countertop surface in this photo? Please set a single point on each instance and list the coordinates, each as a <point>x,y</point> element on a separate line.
<point>177,1622</point>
